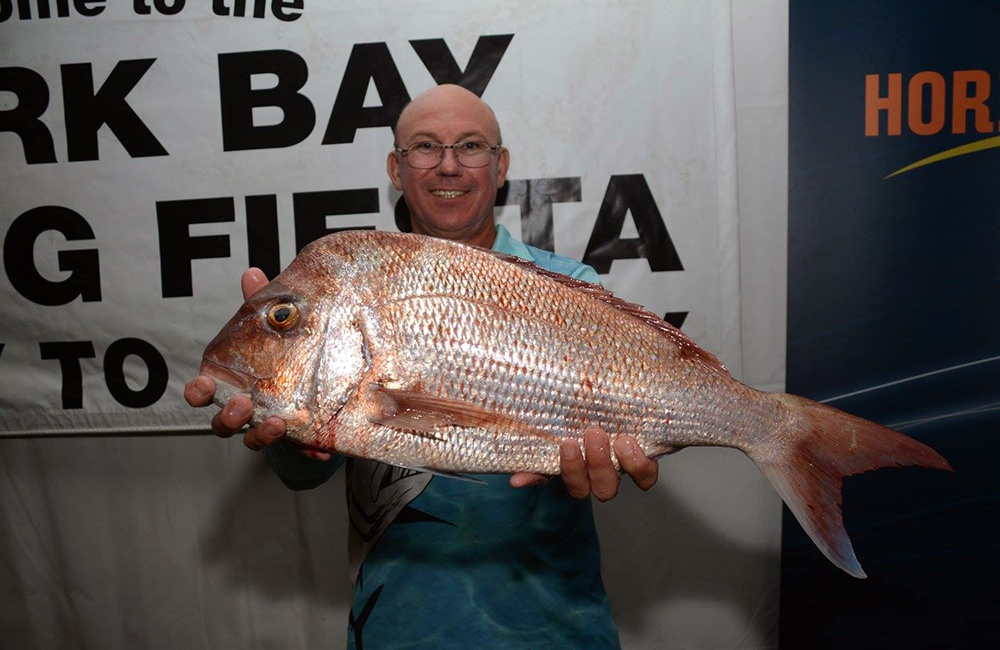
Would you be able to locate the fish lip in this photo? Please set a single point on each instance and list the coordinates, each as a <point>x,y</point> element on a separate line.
<point>233,381</point>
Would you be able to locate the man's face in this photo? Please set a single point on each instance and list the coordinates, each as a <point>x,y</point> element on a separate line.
<point>449,201</point>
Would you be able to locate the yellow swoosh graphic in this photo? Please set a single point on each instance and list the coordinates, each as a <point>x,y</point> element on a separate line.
<point>988,143</point>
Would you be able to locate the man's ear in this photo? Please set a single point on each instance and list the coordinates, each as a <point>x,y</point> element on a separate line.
<point>503,162</point>
<point>392,168</point>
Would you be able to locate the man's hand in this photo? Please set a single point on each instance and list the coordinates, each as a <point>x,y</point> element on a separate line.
<point>237,412</point>
<point>594,473</point>
<point>234,415</point>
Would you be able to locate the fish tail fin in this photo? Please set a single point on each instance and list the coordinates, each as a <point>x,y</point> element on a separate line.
<point>808,469</point>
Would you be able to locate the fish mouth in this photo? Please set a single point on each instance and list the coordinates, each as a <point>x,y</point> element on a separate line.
<point>229,382</point>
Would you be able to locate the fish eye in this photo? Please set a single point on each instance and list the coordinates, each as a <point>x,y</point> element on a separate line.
<point>283,316</point>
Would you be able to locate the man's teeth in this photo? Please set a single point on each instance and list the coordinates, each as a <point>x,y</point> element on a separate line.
<point>448,194</point>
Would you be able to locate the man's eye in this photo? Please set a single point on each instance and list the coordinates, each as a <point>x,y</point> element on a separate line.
<point>470,147</point>
<point>424,146</point>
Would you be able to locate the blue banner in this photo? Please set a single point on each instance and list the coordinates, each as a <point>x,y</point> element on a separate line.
<point>894,310</point>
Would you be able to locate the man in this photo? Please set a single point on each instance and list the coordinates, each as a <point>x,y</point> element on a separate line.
<point>462,564</point>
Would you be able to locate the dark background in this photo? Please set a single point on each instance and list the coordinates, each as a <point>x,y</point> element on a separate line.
<point>896,281</point>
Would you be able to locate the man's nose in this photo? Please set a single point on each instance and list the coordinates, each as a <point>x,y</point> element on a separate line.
<point>449,165</point>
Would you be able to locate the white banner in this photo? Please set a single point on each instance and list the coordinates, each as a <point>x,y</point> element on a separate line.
<point>153,150</point>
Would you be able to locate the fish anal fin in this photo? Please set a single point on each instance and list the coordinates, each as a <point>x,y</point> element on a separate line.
<point>660,450</point>
<point>809,469</point>
<point>450,475</point>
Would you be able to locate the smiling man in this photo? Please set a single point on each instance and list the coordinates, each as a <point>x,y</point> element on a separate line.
<point>440,562</point>
<point>450,191</point>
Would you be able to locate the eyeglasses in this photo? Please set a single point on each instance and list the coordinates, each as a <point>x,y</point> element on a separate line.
<point>428,155</point>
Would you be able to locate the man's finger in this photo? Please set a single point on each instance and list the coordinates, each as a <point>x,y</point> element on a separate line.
<point>252,281</point>
<point>573,469</point>
<point>604,478</point>
<point>269,432</point>
<point>526,479</point>
<point>643,470</point>
<point>199,391</point>
<point>233,416</point>
<point>322,456</point>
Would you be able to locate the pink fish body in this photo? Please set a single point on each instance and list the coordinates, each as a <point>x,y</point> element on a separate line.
<point>429,354</point>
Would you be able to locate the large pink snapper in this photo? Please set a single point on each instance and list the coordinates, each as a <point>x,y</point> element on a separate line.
<point>429,354</point>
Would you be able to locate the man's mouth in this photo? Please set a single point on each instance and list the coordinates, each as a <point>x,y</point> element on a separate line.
<point>448,194</point>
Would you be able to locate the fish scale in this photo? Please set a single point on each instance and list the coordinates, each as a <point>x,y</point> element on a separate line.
<point>537,386</point>
<point>434,355</point>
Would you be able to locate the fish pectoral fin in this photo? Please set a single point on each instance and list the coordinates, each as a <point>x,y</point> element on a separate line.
<point>427,414</point>
<point>411,411</point>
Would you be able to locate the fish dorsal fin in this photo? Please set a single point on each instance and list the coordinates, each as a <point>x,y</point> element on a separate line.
<point>426,415</point>
<point>685,344</point>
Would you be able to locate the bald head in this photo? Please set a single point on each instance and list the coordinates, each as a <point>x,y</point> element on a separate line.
<point>449,99</point>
